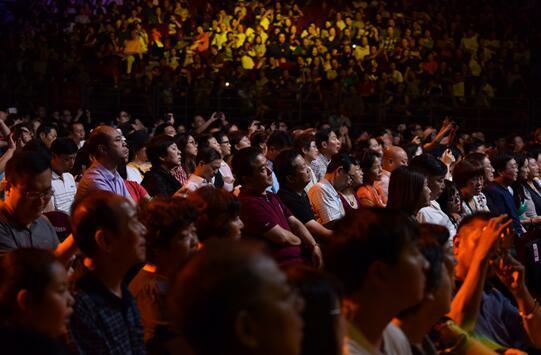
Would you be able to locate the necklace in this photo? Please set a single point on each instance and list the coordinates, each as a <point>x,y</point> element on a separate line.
<point>350,201</point>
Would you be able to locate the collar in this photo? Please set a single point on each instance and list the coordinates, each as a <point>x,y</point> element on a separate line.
<point>103,296</point>
<point>109,175</point>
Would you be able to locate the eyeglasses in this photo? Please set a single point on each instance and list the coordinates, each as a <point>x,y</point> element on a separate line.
<point>226,142</point>
<point>34,195</point>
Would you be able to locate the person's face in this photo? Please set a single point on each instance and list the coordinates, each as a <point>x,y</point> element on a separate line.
<point>518,144</point>
<point>78,131</point>
<point>191,146</point>
<point>301,173</point>
<point>172,157</point>
<point>234,228</point>
<point>170,131</point>
<point>225,146</point>
<point>443,294</point>
<point>129,246</point>
<point>50,315</point>
<point>26,135</point>
<point>407,277</point>
<point>261,174</point>
<point>123,117</point>
<point>424,199</point>
<point>510,172</point>
<point>376,170</point>
<point>213,143</point>
<point>474,186</point>
<point>211,169</point>
<point>29,196</point>
<point>436,185</point>
<point>63,162</point>
<point>243,143</point>
<point>465,244</point>
<point>184,244</point>
<point>312,152</point>
<point>332,146</point>
<point>533,169</point>
<point>356,177</point>
<point>198,122</point>
<point>524,171</point>
<point>279,307</point>
<point>454,204</point>
<point>374,145</point>
<point>489,170</point>
<point>48,138</point>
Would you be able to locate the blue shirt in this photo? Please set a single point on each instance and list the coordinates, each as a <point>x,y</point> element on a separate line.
<point>97,177</point>
<point>501,201</point>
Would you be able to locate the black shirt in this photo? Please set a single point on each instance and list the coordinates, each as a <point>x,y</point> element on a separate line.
<point>299,205</point>
<point>158,182</point>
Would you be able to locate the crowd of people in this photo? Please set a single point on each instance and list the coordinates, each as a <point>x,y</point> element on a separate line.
<point>339,56</point>
<point>117,238</point>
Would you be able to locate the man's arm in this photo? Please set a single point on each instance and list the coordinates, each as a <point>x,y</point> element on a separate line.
<point>281,236</point>
<point>302,232</point>
<point>466,303</point>
<point>318,231</point>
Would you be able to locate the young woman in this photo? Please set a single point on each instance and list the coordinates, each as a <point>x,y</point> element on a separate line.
<point>408,191</point>
<point>369,193</point>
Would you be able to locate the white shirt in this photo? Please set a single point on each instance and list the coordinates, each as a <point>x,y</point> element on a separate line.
<point>132,174</point>
<point>434,214</point>
<point>225,170</point>
<point>64,192</point>
<point>313,180</point>
<point>325,202</point>
<point>194,182</point>
<point>394,342</point>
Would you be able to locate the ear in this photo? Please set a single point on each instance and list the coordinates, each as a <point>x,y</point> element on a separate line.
<point>379,274</point>
<point>245,330</point>
<point>103,240</point>
<point>456,244</point>
<point>23,299</point>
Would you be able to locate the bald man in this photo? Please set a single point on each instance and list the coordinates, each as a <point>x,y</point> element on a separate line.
<point>108,148</point>
<point>393,157</point>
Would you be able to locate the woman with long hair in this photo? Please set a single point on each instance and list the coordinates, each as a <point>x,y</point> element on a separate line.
<point>408,191</point>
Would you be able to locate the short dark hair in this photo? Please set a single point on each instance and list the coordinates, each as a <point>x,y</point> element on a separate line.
<point>405,188</point>
<point>243,163</point>
<point>279,140</point>
<point>465,170</point>
<point>207,155</point>
<point>259,138</point>
<point>164,217</point>
<point>45,129</point>
<point>303,141</point>
<point>231,285</point>
<point>161,128</point>
<point>481,215</point>
<point>215,209</point>
<point>137,140</point>
<point>25,268</point>
<point>203,140</point>
<point>322,135</point>
<point>26,163</point>
<point>98,210</point>
<point>64,146</point>
<point>157,148</point>
<point>283,165</point>
<point>500,161</point>
<point>364,237</point>
<point>428,165</point>
<point>339,160</point>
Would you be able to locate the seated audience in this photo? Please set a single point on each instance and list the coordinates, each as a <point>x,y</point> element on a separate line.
<point>451,203</point>
<point>28,190</point>
<point>63,151</point>
<point>138,160</point>
<point>265,217</point>
<point>108,148</point>
<point>468,175</point>
<point>481,252</point>
<point>34,298</point>
<point>225,170</point>
<point>244,307</point>
<point>524,201</point>
<point>324,197</point>
<point>374,255</point>
<point>217,214</point>
<point>208,162</point>
<point>393,157</point>
<point>323,332</point>
<point>434,171</point>
<point>293,176</point>
<point>408,191</point>
<point>170,239</point>
<point>348,195</point>
<point>164,156</point>
<point>105,318</point>
<point>370,193</point>
<point>328,145</point>
<point>305,143</point>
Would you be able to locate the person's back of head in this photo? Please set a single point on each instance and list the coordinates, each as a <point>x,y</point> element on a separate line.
<point>278,141</point>
<point>99,141</point>
<point>375,240</point>
<point>428,165</point>
<point>303,142</point>
<point>284,165</point>
<point>243,307</point>
<point>321,314</point>
<point>242,163</point>
<point>207,155</point>
<point>499,162</point>
<point>406,190</point>
<point>218,213</point>
<point>25,165</point>
<point>323,135</point>
<point>64,146</point>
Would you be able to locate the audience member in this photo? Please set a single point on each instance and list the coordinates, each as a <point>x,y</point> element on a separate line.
<point>305,143</point>
<point>328,145</point>
<point>370,193</point>
<point>63,152</point>
<point>468,176</point>
<point>408,191</point>
<point>393,157</point>
<point>164,156</point>
<point>208,162</point>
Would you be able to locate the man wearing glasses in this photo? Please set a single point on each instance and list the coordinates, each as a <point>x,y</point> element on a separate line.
<point>28,190</point>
